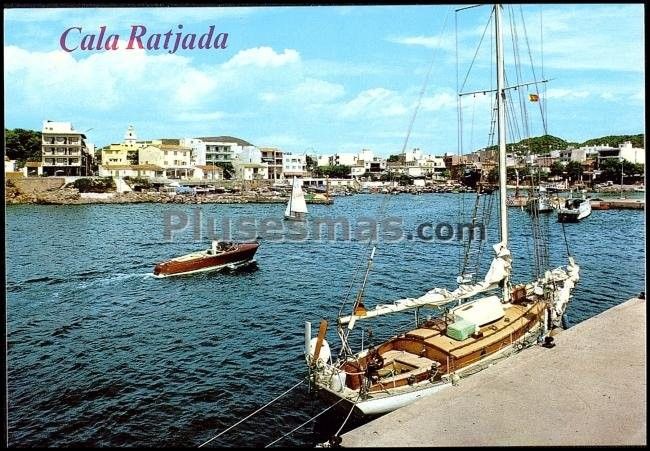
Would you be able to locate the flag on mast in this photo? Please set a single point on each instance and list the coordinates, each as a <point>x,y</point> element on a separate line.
<point>533,97</point>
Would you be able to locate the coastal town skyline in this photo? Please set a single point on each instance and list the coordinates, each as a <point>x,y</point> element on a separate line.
<point>349,78</point>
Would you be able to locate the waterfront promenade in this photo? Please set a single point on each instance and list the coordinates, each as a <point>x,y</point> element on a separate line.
<point>590,389</point>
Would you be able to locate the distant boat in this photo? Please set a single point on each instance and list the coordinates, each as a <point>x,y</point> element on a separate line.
<point>222,254</point>
<point>540,203</point>
<point>574,209</point>
<point>297,206</point>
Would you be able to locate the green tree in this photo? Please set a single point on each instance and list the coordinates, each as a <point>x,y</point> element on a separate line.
<point>557,168</point>
<point>338,171</point>
<point>22,145</point>
<point>574,170</point>
<point>394,158</point>
<point>228,169</point>
<point>311,163</point>
<point>610,170</point>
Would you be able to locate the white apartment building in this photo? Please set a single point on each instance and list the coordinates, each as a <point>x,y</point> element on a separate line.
<point>272,156</point>
<point>343,159</point>
<point>64,150</point>
<point>248,165</point>
<point>624,151</point>
<point>294,165</point>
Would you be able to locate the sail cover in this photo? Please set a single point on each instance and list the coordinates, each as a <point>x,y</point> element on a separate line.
<point>499,269</point>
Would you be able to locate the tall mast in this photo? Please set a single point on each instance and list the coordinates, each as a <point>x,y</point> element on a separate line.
<point>501,123</point>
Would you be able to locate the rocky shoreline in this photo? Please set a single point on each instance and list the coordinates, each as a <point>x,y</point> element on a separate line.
<point>71,196</point>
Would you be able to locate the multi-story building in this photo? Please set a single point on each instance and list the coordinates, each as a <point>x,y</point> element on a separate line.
<point>248,165</point>
<point>294,165</point>
<point>220,149</point>
<point>343,159</point>
<point>64,150</point>
<point>169,154</point>
<point>124,153</point>
<point>272,156</point>
<point>624,151</point>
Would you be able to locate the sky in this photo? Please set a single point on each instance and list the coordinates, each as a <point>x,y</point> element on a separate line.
<point>326,79</point>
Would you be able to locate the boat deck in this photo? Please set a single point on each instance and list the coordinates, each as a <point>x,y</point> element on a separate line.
<point>514,318</point>
<point>192,256</point>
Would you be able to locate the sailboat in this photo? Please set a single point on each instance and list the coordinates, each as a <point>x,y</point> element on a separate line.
<point>296,207</point>
<point>474,325</point>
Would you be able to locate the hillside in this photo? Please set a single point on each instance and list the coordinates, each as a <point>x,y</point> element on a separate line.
<point>636,140</point>
<point>542,144</point>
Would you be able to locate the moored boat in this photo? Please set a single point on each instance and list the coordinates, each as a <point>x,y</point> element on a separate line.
<point>574,209</point>
<point>466,330</point>
<point>222,254</point>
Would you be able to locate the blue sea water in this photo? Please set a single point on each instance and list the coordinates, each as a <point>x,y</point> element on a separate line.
<point>100,353</point>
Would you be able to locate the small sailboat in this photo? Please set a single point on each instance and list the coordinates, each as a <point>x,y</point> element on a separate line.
<point>468,329</point>
<point>297,206</point>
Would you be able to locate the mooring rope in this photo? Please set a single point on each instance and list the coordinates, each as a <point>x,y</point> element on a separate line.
<point>349,413</point>
<point>257,411</point>
<point>306,422</point>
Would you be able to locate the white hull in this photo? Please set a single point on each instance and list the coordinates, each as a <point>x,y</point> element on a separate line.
<point>294,218</point>
<point>387,401</point>
<point>575,214</point>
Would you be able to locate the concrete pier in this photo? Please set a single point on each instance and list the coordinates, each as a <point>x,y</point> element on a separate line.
<point>590,389</point>
<point>618,204</point>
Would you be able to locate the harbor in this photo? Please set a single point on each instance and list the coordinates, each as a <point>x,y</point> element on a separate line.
<point>325,240</point>
<point>588,390</point>
<point>100,351</point>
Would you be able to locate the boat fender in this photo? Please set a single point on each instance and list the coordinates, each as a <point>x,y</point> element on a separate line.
<point>337,382</point>
<point>325,353</point>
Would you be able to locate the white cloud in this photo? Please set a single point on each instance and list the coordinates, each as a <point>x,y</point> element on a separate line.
<point>432,42</point>
<point>584,37</point>
<point>262,57</point>
<point>374,102</point>
<point>310,92</point>
<point>439,101</point>
<point>566,94</point>
<point>104,80</point>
